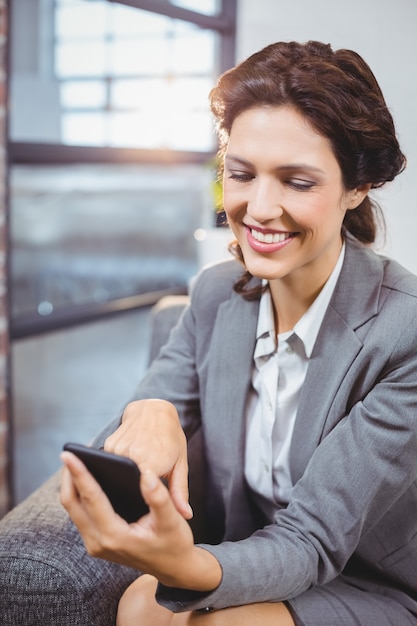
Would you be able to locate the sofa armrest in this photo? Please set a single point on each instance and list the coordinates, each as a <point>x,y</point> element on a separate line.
<point>164,315</point>
<point>46,576</point>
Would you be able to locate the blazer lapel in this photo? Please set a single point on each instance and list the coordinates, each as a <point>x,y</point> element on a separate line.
<point>228,378</point>
<point>354,302</point>
<point>231,354</point>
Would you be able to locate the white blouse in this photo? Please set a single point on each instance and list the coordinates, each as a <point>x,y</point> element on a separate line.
<point>278,373</point>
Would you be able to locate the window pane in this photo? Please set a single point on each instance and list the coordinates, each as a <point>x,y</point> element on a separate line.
<point>81,59</point>
<point>139,56</point>
<point>138,94</point>
<point>136,130</point>
<point>194,53</point>
<point>190,92</point>
<point>153,94</point>
<point>83,94</point>
<point>84,129</point>
<point>191,131</point>
<point>208,7</point>
<point>153,130</point>
<point>169,114</point>
<point>81,19</point>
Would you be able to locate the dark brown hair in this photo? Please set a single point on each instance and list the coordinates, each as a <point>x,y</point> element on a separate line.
<point>337,92</point>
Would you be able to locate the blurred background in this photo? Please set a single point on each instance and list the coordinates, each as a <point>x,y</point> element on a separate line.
<point>111,165</point>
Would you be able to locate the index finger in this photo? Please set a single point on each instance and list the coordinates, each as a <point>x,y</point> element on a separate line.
<point>178,487</point>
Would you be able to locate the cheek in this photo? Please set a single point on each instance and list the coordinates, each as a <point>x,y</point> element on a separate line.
<point>233,203</point>
<point>320,213</point>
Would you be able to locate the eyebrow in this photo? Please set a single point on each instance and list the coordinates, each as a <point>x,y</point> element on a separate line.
<point>290,167</point>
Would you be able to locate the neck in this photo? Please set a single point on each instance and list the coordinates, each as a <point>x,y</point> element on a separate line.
<point>289,304</point>
<point>292,297</point>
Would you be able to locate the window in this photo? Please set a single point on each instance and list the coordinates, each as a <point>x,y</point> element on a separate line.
<point>209,7</point>
<point>130,77</point>
<point>105,203</point>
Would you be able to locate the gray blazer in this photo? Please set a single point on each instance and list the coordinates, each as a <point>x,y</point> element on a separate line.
<point>353,457</point>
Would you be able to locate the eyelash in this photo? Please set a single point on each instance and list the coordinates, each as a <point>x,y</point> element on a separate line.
<point>305,186</point>
<point>241,178</point>
<point>245,178</point>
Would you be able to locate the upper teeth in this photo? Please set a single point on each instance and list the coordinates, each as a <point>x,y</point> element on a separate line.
<point>269,237</point>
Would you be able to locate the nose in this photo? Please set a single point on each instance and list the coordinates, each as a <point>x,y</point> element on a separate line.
<point>265,201</point>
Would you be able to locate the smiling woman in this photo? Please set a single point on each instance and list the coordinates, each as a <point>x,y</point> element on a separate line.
<point>299,380</point>
<point>286,202</point>
<point>308,447</point>
<point>364,146</point>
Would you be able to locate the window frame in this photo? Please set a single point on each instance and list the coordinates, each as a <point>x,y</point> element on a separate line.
<point>224,23</point>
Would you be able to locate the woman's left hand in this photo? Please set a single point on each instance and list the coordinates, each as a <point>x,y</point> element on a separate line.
<point>160,543</point>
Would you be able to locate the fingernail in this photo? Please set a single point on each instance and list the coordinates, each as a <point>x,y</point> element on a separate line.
<point>151,479</point>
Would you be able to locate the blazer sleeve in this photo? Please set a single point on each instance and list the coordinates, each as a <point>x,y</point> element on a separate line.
<point>172,376</point>
<point>353,479</point>
<point>178,373</point>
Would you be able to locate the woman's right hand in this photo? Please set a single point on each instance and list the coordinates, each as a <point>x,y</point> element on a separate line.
<point>152,436</point>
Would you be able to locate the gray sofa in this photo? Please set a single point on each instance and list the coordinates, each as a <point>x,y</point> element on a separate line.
<point>46,576</point>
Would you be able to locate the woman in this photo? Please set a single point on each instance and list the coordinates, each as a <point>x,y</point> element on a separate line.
<point>302,374</point>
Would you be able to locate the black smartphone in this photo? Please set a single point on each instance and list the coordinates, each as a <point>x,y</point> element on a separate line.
<point>118,476</point>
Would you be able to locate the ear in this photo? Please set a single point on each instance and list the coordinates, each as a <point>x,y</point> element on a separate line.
<point>357,195</point>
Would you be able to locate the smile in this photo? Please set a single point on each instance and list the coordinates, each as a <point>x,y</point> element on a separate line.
<point>268,242</point>
<point>269,237</point>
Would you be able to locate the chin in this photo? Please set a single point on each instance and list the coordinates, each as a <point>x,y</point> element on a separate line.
<point>264,273</point>
<point>261,268</point>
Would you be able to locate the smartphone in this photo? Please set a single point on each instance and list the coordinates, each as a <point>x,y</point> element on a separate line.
<point>118,476</point>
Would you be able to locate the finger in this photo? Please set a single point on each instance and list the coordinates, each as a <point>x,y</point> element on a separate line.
<point>124,442</point>
<point>157,497</point>
<point>178,488</point>
<point>111,440</point>
<point>70,499</point>
<point>68,492</point>
<point>73,464</point>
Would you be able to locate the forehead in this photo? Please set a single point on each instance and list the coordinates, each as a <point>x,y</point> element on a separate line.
<point>277,130</point>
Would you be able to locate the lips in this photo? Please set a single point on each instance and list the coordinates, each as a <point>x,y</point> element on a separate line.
<point>267,241</point>
<point>269,237</point>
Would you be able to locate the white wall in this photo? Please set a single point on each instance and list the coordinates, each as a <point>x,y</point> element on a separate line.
<point>384,33</point>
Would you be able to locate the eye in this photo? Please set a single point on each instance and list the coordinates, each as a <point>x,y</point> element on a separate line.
<point>300,184</point>
<point>241,177</point>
